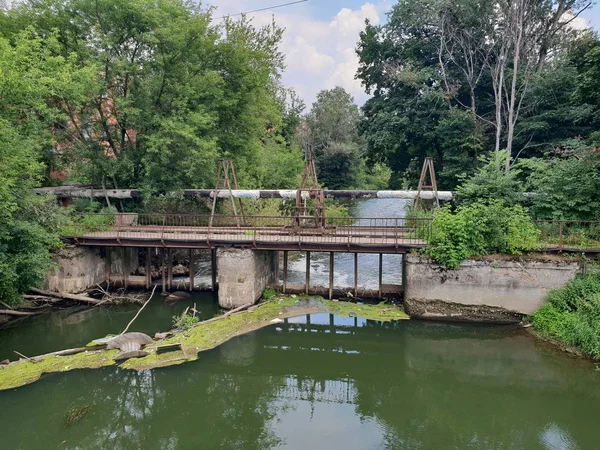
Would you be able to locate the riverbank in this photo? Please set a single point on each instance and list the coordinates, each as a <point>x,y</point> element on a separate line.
<point>204,336</point>
<point>571,316</point>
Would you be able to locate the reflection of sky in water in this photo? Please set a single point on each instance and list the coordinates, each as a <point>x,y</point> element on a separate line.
<point>555,438</point>
<point>323,416</point>
<point>325,318</point>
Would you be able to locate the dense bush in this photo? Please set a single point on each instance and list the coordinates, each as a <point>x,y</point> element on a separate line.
<point>491,183</point>
<point>566,189</point>
<point>478,229</point>
<point>572,315</point>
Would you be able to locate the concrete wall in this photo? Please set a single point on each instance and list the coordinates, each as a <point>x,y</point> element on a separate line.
<point>77,269</point>
<point>244,274</point>
<point>494,289</point>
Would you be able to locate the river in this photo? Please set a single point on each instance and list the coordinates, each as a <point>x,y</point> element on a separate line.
<point>335,383</point>
<point>326,383</point>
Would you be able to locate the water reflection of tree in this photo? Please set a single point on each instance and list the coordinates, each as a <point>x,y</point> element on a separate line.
<point>477,388</point>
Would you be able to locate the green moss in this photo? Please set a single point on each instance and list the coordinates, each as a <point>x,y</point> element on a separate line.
<point>204,336</point>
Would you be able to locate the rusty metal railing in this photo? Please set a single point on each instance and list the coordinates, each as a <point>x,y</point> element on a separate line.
<point>555,235</point>
<point>256,229</point>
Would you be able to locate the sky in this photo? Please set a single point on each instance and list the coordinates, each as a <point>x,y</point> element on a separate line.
<point>320,38</point>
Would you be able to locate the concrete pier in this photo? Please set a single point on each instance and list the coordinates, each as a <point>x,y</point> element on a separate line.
<point>243,275</point>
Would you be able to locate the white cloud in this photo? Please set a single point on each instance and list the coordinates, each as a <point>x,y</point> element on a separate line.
<point>320,53</point>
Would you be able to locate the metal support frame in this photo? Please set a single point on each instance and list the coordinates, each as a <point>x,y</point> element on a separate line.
<point>285,270</point>
<point>192,269</point>
<point>309,190</point>
<point>170,269</point>
<point>307,283</point>
<point>224,167</point>
<point>148,267</point>
<point>331,263</point>
<point>162,270</point>
<point>126,267</point>
<point>213,264</point>
<point>380,273</point>
<point>355,274</point>
<point>427,167</point>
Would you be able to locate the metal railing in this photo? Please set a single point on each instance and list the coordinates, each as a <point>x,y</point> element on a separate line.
<point>253,229</point>
<point>569,235</point>
<point>555,235</point>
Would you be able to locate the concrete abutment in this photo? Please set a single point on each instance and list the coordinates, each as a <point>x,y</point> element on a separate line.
<point>244,274</point>
<point>491,289</point>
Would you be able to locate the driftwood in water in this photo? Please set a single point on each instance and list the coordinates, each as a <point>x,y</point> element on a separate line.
<point>12,312</point>
<point>23,356</point>
<point>227,314</point>
<point>77,298</point>
<point>140,310</point>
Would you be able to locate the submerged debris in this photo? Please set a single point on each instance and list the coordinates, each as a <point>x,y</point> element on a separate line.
<point>77,413</point>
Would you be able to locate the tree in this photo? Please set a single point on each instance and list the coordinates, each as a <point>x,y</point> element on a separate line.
<point>435,59</point>
<point>173,91</point>
<point>31,81</point>
<point>332,123</point>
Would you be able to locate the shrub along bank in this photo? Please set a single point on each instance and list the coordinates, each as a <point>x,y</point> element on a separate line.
<point>478,229</point>
<point>572,315</point>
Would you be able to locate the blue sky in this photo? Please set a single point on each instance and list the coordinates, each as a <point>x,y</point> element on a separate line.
<point>321,36</point>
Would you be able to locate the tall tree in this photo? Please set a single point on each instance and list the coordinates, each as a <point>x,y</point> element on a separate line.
<point>332,124</point>
<point>435,59</point>
<point>173,93</point>
<point>32,80</point>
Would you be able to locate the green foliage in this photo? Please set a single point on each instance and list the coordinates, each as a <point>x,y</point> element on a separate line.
<point>478,229</point>
<point>572,315</point>
<point>269,293</point>
<point>185,321</point>
<point>333,122</point>
<point>32,81</point>
<point>430,70</point>
<point>491,183</point>
<point>566,189</point>
<point>168,92</point>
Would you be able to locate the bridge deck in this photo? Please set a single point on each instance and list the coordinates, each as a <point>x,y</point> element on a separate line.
<point>346,239</point>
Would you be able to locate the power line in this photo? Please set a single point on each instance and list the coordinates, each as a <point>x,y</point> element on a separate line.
<point>262,9</point>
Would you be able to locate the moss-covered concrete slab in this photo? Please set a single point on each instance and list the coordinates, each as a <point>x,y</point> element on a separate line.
<point>204,336</point>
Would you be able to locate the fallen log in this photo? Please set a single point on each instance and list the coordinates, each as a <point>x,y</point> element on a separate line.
<point>77,298</point>
<point>12,312</point>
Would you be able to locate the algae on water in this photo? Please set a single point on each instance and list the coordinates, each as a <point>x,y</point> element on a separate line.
<point>201,337</point>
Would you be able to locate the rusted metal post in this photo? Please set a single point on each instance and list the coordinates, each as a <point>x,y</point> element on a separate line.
<point>560,236</point>
<point>126,267</point>
<point>380,272</point>
<point>170,268</point>
<point>108,263</point>
<point>192,269</point>
<point>307,284</point>
<point>213,261</point>
<point>330,275</point>
<point>162,270</point>
<point>356,275</point>
<point>285,270</point>
<point>148,267</point>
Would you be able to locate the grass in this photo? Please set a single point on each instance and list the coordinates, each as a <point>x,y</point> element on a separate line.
<point>572,315</point>
<point>204,336</point>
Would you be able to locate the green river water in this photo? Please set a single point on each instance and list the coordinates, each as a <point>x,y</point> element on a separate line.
<point>334,383</point>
